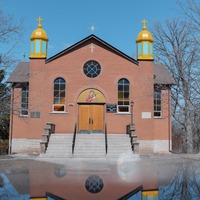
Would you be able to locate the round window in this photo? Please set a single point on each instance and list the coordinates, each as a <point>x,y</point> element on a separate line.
<point>92,69</point>
<point>94,184</point>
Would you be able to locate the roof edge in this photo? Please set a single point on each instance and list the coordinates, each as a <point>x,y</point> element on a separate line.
<point>92,36</point>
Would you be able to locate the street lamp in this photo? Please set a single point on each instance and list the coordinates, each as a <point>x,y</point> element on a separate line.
<point>134,142</point>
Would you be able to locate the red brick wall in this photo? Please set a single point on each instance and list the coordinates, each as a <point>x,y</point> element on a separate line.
<point>162,126</point>
<point>70,67</point>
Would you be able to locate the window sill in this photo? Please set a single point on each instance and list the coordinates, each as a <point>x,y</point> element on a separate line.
<point>58,112</point>
<point>23,116</point>
<point>123,113</point>
<point>158,117</point>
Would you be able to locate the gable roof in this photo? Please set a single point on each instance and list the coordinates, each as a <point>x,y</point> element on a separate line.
<point>20,73</point>
<point>162,75</point>
<point>92,37</point>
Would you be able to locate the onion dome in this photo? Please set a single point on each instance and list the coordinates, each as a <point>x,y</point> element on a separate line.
<point>39,40</point>
<point>144,44</point>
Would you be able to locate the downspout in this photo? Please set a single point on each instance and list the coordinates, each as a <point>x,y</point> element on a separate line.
<point>11,121</point>
<point>169,119</point>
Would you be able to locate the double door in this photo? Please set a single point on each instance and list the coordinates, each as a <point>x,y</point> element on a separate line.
<point>91,118</point>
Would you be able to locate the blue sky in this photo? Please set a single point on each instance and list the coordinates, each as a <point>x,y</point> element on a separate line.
<point>66,22</point>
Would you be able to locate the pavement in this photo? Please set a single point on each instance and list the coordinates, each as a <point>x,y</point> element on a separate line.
<point>142,156</point>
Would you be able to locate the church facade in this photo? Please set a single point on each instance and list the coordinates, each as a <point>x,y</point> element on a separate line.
<point>91,84</point>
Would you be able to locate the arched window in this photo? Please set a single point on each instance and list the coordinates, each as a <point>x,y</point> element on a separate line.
<point>123,95</point>
<point>59,95</point>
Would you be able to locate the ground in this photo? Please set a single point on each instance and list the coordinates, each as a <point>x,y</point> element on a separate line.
<point>148,170</point>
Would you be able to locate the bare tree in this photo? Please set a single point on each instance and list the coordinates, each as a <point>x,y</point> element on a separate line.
<point>10,34</point>
<point>4,107</point>
<point>176,48</point>
<point>191,11</point>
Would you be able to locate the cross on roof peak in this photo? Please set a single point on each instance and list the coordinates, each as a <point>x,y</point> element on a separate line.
<point>92,28</point>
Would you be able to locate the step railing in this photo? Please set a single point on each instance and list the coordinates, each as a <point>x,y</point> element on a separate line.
<point>74,139</point>
<point>106,139</point>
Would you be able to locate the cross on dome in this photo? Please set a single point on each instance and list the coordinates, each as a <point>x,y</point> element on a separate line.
<point>39,19</point>
<point>144,22</point>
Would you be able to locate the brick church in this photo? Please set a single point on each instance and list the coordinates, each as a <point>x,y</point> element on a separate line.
<point>90,85</point>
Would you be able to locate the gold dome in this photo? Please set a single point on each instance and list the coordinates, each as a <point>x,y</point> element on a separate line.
<point>39,33</point>
<point>39,41</point>
<point>144,44</point>
<point>144,35</point>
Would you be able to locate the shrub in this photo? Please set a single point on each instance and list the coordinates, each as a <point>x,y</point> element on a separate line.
<point>4,145</point>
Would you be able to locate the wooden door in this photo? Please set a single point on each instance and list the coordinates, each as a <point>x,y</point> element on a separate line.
<point>97,116</point>
<point>91,118</point>
<point>84,118</point>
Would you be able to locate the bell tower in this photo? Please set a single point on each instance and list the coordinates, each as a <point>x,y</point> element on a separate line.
<point>144,44</point>
<point>39,41</point>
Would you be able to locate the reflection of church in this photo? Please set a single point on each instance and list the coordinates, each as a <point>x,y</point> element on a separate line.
<point>91,83</point>
<point>96,180</point>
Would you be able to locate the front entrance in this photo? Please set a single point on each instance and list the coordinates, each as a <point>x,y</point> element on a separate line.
<point>91,118</point>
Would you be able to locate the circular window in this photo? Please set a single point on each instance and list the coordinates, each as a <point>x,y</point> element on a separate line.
<point>94,184</point>
<point>92,69</point>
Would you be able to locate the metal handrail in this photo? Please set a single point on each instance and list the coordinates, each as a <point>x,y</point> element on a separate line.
<point>106,139</point>
<point>74,139</point>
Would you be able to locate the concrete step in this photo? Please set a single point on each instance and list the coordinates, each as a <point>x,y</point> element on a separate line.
<point>88,145</point>
<point>56,155</point>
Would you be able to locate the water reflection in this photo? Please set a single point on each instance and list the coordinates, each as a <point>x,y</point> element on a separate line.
<point>185,183</point>
<point>127,177</point>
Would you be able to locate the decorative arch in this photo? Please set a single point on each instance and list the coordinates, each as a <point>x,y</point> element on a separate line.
<point>91,95</point>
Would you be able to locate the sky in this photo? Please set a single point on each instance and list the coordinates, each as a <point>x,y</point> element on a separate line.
<point>66,22</point>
